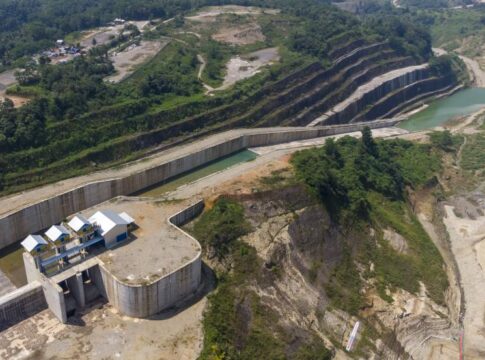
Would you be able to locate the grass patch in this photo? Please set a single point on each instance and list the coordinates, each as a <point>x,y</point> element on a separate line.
<point>423,263</point>
<point>473,154</point>
<point>219,227</point>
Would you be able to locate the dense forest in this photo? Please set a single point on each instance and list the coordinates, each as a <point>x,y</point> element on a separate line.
<point>74,110</point>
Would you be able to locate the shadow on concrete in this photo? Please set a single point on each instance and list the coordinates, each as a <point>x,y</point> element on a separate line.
<point>208,284</point>
<point>77,318</point>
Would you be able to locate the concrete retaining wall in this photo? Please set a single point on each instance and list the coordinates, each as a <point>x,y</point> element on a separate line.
<point>346,114</point>
<point>143,300</point>
<point>399,99</point>
<point>41,215</point>
<point>21,303</point>
<point>149,299</point>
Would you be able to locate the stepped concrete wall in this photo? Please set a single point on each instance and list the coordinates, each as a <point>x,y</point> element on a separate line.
<point>386,92</point>
<point>404,96</point>
<point>17,225</point>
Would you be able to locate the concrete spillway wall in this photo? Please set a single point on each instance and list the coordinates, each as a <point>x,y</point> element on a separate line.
<point>21,303</point>
<point>38,216</point>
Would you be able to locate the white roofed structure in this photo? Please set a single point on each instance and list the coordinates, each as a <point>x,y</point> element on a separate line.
<point>113,227</point>
<point>32,242</point>
<point>129,220</point>
<point>79,223</point>
<point>57,232</point>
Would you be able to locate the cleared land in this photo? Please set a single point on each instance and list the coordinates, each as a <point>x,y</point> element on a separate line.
<point>209,14</point>
<point>126,62</point>
<point>104,35</point>
<point>102,333</point>
<point>243,67</point>
<point>7,79</point>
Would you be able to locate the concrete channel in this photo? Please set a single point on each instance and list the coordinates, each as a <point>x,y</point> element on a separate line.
<point>31,212</point>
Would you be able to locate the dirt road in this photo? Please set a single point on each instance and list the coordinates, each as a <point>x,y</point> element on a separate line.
<point>467,238</point>
<point>474,69</point>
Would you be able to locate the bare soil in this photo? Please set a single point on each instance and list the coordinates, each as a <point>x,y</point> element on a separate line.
<point>240,35</point>
<point>209,14</point>
<point>102,333</point>
<point>127,61</point>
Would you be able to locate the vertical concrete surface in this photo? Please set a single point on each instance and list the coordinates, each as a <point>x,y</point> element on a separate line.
<point>76,286</point>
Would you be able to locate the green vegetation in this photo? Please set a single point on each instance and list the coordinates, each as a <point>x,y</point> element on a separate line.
<point>218,228</point>
<point>363,182</point>
<point>473,155</point>
<point>77,123</point>
<point>450,28</point>
<point>342,173</point>
<point>236,324</point>
<point>445,141</point>
<point>423,262</point>
<point>433,4</point>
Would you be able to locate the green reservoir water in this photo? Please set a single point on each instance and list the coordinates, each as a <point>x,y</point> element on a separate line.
<point>462,103</point>
<point>196,174</point>
<point>12,264</point>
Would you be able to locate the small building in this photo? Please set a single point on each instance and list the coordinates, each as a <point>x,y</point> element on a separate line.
<point>113,228</point>
<point>80,224</point>
<point>129,220</point>
<point>119,21</point>
<point>35,244</point>
<point>58,234</point>
<point>60,42</point>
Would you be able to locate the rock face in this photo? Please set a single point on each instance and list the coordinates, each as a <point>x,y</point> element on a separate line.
<point>397,241</point>
<point>301,245</point>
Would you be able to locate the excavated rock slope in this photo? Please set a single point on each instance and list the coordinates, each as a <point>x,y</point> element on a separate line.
<point>298,241</point>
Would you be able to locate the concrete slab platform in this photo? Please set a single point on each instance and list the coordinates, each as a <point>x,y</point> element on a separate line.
<point>154,249</point>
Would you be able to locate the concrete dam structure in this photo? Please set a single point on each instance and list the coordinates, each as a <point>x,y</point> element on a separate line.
<point>127,276</point>
<point>37,209</point>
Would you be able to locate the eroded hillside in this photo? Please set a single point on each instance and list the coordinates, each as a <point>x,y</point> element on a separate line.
<point>318,248</point>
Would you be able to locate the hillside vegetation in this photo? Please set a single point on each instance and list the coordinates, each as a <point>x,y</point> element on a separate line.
<point>333,214</point>
<point>76,122</point>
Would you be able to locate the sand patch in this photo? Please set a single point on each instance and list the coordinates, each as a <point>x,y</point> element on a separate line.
<point>243,35</point>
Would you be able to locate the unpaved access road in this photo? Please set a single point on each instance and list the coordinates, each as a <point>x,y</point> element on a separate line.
<point>474,69</point>
<point>467,237</point>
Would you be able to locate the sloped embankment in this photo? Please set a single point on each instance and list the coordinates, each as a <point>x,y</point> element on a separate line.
<point>316,249</point>
<point>297,99</point>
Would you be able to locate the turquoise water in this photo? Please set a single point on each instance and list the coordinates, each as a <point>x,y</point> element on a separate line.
<point>439,112</point>
<point>240,157</point>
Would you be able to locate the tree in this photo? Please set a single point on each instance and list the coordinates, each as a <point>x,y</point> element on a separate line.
<point>94,42</point>
<point>368,143</point>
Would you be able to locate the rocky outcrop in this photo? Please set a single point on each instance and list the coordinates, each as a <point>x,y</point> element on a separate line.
<point>300,245</point>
